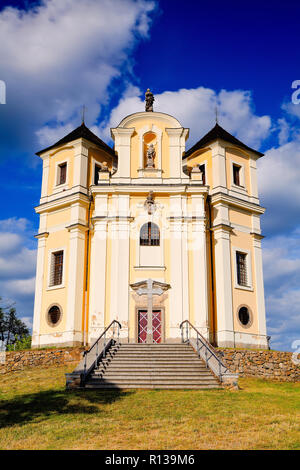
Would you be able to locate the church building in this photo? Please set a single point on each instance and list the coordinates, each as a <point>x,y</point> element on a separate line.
<point>149,233</point>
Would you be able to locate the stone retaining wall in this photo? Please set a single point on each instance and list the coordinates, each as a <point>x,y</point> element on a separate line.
<point>17,360</point>
<point>274,365</point>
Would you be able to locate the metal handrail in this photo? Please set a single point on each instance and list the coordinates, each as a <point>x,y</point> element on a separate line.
<point>95,345</point>
<point>209,350</point>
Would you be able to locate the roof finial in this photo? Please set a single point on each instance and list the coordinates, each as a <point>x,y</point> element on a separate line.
<point>83,114</point>
<point>149,99</point>
<point>217,115</point>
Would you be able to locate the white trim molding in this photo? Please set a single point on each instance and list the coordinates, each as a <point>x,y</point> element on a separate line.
<point>57,186</point>
<point>50,261</point>
<point>236,250</point>
<point>240,188</point>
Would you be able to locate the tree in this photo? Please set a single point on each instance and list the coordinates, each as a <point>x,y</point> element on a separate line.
<point>12,328</point>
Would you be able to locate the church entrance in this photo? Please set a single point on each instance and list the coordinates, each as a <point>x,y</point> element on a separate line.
<point>156,326</point>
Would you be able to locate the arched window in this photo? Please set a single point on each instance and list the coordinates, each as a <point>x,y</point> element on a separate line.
<point>149,234</point>
<point>54,315</point>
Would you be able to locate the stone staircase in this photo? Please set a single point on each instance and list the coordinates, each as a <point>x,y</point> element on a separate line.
<point>149,366</point>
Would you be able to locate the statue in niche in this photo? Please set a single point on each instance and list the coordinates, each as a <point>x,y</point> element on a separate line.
<point>149,98</point>
<point>150,205</point>
<point>150,156</point>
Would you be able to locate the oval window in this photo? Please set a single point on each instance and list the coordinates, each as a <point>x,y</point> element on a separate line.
<point>244,316</point>
<point>54,315</point>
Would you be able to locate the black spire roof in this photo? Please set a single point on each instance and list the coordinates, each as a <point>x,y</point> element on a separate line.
<point>84,133</point>
<point>215,133</point>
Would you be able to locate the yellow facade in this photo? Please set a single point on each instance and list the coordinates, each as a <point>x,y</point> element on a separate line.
<point>90,251</point>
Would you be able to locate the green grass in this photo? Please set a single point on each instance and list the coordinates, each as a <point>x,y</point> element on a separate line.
<point>36,412</point>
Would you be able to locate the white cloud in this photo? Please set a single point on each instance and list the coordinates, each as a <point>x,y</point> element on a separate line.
<point>59,55</point>
<point>291,109</point>
<point>28,322</point>
<point>48,135</point>
<point>20,287</point>
<point>195,108</point>
<point>281,255</point>
<point>278,177</point>
<point>14,224</point>
<point>17,265</point>
<point>21,264</point>
<point>9,242</point>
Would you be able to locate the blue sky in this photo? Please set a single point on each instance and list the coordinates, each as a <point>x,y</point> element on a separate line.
<point>56,55</point>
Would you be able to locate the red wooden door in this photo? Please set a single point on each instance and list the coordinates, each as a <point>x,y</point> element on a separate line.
<point>156,326</point>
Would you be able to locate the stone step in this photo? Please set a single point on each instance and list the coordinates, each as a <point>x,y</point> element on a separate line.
<point>154,345</point>
<point>153,370</point>
<point>125,386</point>
<point>186,356</point>
<point>154,380</point>
<point>155,350</point>
<point>156,362</point>
<point>178,370</point>
<point>163,375</point>
<point>154,366</point>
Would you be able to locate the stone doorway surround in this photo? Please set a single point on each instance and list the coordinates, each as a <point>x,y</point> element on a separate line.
<point>150,302</point>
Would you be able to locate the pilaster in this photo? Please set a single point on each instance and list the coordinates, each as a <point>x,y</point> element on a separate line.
<point>81,153</point>
<point>75,291</point>
<point>260,295</point>
<point>253,181</point>
<point>175,146</point>
<point>122,138</point>
<point>39,280</point>
<point>120,233</point>
<point>223,286</point>
<point>98,258</point>
<point>219,167</point>
<point>199,255</point>
<point>179,302</point>
<point>45,177</point>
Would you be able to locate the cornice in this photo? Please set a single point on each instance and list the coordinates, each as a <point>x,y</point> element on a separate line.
<point>234,201</point>
<point>42,235</point>
<point>175,188</point>
<point>257,236</point>
<point>62,201</point>
<point>77,226</point>
<point>151,116</point>
<point>112,218</point>
<point>225,227</point>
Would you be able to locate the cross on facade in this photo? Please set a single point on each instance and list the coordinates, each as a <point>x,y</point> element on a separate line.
<point>149,291</point>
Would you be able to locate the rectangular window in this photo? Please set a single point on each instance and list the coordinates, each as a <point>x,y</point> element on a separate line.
<point>202,169</point>
<point>241,265</point>
<point>56,269</point>
<point>62,175</point>
<point>237,175</point>
<point>97,171</point>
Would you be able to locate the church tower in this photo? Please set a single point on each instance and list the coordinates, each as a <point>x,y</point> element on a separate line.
<point>149,234</point>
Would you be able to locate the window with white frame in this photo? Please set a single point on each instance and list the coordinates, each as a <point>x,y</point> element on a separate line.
<point>62,173</point>
<point>242,269</point>
<point>56,268</point>
<point>236,170</point>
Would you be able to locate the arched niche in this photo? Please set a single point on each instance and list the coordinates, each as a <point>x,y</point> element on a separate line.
<point>147,135</point>
<point>148,139</point>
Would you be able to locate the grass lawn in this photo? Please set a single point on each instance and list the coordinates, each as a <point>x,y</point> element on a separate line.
<point>36,412</point>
